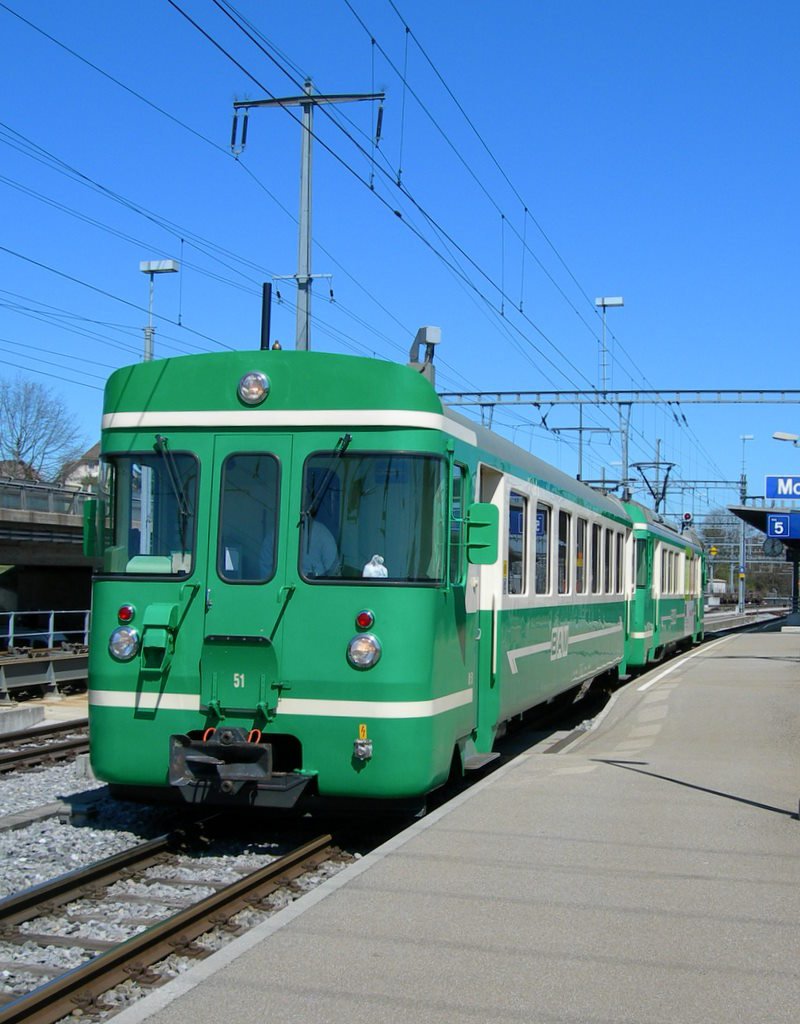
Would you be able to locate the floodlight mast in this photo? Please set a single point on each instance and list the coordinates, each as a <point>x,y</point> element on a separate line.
<point>604,303</point>
<point>151,268</point>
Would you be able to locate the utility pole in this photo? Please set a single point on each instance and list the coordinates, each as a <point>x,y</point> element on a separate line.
<point>307,102</point>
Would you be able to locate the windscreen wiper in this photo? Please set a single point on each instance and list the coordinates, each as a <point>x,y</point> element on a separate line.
<point>184,512</point>
<point>313,507</point>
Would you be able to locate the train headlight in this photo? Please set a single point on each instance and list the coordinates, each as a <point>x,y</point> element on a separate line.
<point>253,388</point>
<point>364,651</point>
<point>123,644</point>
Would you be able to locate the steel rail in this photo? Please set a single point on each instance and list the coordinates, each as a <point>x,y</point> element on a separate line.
<point>55,729</point>
<point>12,759</point>
<point>60,997</point>
<point>66,887</point>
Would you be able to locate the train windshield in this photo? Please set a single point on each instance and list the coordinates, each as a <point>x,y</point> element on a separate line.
<point>153,503</point>
<point>377,517</point>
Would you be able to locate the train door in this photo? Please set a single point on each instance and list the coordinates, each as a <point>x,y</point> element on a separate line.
<point>644,596</point>
<point>245,576</point>
<point>484,596</point>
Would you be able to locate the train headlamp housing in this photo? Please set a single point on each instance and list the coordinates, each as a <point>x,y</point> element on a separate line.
<point>253,388</point>
<point>123,644</point>
<point>364,651</point>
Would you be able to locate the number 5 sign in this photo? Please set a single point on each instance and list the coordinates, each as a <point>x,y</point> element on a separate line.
<point>783,526</point>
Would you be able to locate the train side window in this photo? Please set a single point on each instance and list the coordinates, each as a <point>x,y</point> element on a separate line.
<point>618,571</point>
<point>597,554</point>
<point>517,543</point>
<point>564,524</point>
<point>247,518</point>
<point>581,537</point>
<point>154,513</point>
<point>457,525</point>
<point>641,562</point>
<point>608,584</point>
<point>542,567</point>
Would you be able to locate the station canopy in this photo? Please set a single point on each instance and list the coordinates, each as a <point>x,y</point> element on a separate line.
<point>775,523</point>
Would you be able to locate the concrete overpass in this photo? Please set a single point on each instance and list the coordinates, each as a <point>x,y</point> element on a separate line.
<point>41,524</point>
<point>42,564</point>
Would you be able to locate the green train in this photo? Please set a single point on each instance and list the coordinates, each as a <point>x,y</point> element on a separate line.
<point>314,581</point>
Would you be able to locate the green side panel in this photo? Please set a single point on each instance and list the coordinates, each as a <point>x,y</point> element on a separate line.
<point>528,655</point>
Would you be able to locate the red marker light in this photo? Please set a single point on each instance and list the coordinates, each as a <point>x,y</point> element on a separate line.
<point>126,613</point>
<point>365,619</point>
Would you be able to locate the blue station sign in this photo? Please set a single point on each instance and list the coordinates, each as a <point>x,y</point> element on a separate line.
<point>782,487</point>
<point>784,525</point>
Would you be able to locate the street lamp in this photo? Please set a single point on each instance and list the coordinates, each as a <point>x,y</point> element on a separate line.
<point>604,303</point>
<point>153,267</point>
<point>779,435</point>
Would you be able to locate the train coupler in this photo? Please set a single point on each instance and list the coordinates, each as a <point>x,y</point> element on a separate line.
<point>230,765</point>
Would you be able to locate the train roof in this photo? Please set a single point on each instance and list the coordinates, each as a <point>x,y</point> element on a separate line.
<point>527,464</point>
<point>201,390</point>
<point>298,381</point>
<point>645,517</point>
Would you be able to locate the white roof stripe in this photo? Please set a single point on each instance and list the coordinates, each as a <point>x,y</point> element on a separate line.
<point>267,418</point>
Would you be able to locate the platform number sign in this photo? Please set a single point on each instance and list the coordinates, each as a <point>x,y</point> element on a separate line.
<point>784,525</point>
<point>540,523</point>
<point>778,526</point>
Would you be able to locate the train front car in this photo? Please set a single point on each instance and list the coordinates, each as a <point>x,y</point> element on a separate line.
<point>668,571</point>
<point>273,617</point>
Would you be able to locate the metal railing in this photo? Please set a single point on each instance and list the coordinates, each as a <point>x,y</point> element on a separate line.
<point>45,630</point>
<point>26,496</point>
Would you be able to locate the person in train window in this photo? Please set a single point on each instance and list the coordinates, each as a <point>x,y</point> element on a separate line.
<point>319,555</point>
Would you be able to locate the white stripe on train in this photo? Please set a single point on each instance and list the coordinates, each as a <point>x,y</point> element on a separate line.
<point>267,418</point>
<point>372,709</point>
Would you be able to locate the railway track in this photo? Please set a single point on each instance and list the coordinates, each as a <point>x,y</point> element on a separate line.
<point>54,992</point>
<point>31,748</point>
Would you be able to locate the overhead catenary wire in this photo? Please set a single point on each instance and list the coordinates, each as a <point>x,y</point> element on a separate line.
<point>479,136</point>
<point>223,5</point>
<point>503,275</point>
<point>223,151</point>
<point>432,222</point>
<point>336,156</point>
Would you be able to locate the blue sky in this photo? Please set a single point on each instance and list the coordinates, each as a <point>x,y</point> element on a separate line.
<point>639,149</point>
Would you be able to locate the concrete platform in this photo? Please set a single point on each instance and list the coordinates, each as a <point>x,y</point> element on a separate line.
<point>42,711</point>
<point>20,716</point>
<point>648,872</point>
